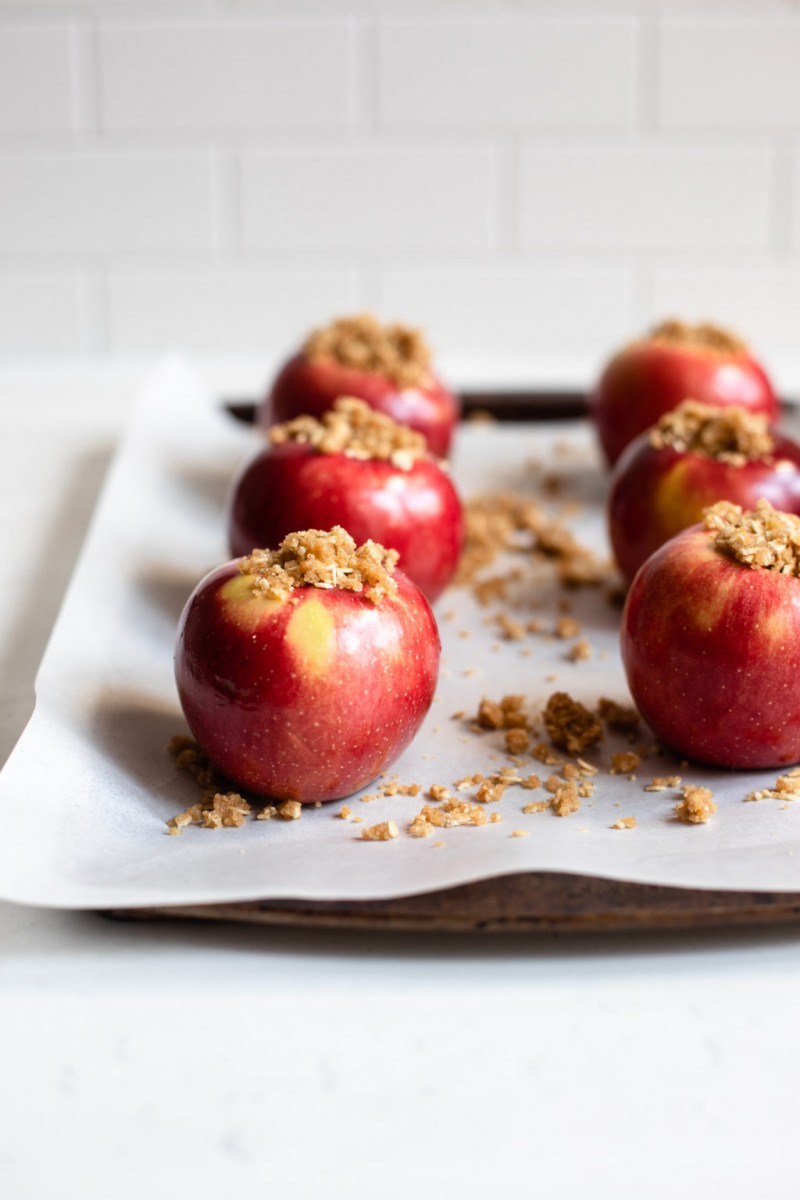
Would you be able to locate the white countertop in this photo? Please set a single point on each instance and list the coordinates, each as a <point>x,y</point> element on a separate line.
<point>156,1060</point>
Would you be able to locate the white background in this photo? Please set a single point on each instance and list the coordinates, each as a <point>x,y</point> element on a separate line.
<point>528,177</point>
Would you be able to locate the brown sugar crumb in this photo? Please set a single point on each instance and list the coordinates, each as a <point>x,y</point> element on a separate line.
<point>382,832</point>
<point>520,833</point>
<point>219,805</point>
<point>730,435</point>
<point>580,652</point>
<point>697,805</point>
<point>531,782</point>
<point>463,785</point>
<point>570,726</point>
<point>392,788</point>
<point>438,792</point>
<point>354,429</point>
<point>267,813</point>
<point>450,814</point>
<point>566,800</point>
<point>507,713</point>
<point>511,630</point>
<point>625,823</point>
<point>344,812</point>
<point>290,810</point>
<point>761,538</point>
<point>663,783</point>
<point>586,788</point>
<point>546,754</point>
<point>536,806</point>
<point>704,335</point>
<point>420,827</point>
<point>621,718</point>
<point>624,762</point>
<point>495,818</point>
<point>314,558</point>
<point>567,627</point>
<point>517,741</point>
<point>786,787</point>
<point>491,790</point>
<point>226,809</point>
<point>365,344</point>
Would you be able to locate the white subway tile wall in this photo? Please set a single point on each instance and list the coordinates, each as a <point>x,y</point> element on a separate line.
<point>529,179</point>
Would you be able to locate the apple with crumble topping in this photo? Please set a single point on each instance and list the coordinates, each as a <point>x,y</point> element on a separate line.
<point>676,362</point>
<point>387,366</point>
<point>711,639</point>
<point>305,671</point>
<point>356,468</point>
<point>694,456</point>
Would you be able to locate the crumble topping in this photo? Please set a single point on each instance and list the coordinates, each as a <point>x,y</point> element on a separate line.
<point>729,435</point>
<point>354,429</point>
<point>447,815</point>
<point>570,726</point>
<point>625,823</point>
<point>704,335</point>
<point>364,343</point>
<point>622,718</point>
<point>763,537</point>
<point>507,713</point>
<point>314,558</point>
<point>697,805</point>
<point>566,800</point>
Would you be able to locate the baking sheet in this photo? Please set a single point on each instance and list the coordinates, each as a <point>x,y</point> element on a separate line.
<point>85,796</point>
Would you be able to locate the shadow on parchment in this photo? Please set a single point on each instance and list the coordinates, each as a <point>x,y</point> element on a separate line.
<point>38,607</point>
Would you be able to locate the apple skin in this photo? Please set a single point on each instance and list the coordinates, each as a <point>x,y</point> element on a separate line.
<point>648,378</point>
<point>291,486</point>
<point>305,386</point>
<point>711,649</point>
<point>655,493</point>
<point>305,699</point>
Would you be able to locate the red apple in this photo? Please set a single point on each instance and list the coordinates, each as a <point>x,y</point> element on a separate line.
<point>386,366</point>
<point>711,646</point>
<point>677,361</point>
<point>309,695</point>
<point>413,508</point>
<point>658,488</point>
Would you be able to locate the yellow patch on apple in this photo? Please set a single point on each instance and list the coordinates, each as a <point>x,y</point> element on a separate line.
<point>310,633</point>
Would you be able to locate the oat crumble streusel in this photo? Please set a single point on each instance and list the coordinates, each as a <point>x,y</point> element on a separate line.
<point>731,435</point>
<point>357,431</point>
<point>761,538</point>
<point>704,336</point>
<point>569,724</point>
<point>316,558</point>
<point>364,343</point>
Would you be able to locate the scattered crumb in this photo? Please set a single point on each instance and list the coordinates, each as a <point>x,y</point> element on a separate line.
<point>625,823</point>
<point>625,762</point>
<point>663,783</point>
<point>382,832</point>
<point>290,810</point>
<point>570,725</point>
<point>344,812</point>
<point>697,805</point>
<point>566,800</point>
<point>786,787</point>
<point>621,718</point>
<point>520,833</point>
<point>517,741</point>
<point>580,652</point>
<point>567,627</point>
<point>536,806</point>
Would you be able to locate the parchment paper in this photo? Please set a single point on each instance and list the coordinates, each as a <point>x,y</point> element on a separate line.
<point>85,796</point>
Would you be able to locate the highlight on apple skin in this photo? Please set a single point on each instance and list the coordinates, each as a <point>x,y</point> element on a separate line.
<point>694,456</point>
<point>710,639</point>
<point>306,691</point>
<point>358,469</point>
<point>675,362</point>
<point>387,366</point>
